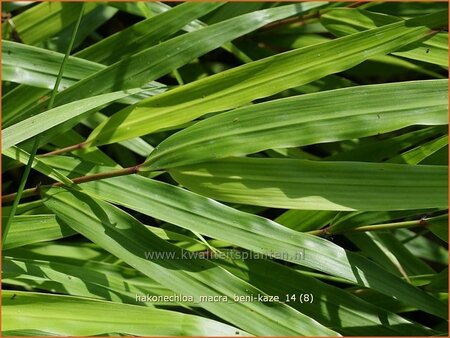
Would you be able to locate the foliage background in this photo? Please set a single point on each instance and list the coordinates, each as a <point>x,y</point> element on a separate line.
<point>222,128</point>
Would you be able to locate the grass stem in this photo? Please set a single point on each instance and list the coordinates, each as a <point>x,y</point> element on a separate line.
<point>37,139</point>
<point>82,179</point>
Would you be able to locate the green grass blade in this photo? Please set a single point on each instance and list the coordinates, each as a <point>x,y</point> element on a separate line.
<point>440,228</point>
<point>311,185</point>
<point>38,67</point>
<point>92,21</point>
<point>306,119</point>
<point>28,229</point>
<point>145,33</point>
<point>420,153</point>
<point>210,218</point>
<point>44,20</point>
<point>37,124</point>
<point>33,152</point>
<point>333,307</point>
<point>306,220</point>
<point>380,150</point>
<point>390,253</point>
<point>122,284</point>
<point>344,21</point>
<point>48,313</point>
<point>23,157</point>
<point>111,228</point>
<point>154,62</point>
<point>422,246</point>
<point>35,228</point>
<point>296,150</point>
<point>439,282</point>
<point>262,78</point>
<point>351,315</point>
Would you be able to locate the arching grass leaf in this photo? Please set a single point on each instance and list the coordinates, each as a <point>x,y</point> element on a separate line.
<point>310,185</point>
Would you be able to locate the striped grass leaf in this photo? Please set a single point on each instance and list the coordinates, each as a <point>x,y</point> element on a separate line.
<point>85,281</point>
<point>422,247</point>
<point>390,253</point>
<point>261,78</point>
<point>28,229</point>
<point>39,67</point>
<point>344,21</point>
<point>422,152</point>
<point>210,218</point>
<point>281,282</point>
<point>44,314</point>
<point>289,150</point>
<point>382,150</point>
<point>306,119</point>
<point>312,185</point>
<point>439,282</point>
<point>355,316</point>
<point>110,228</point>
<point>154,62</point>
<point>35,228</point>
<point>44,21</point>
<point>40,123</point>
<point>159,8</point>
<point>23,156</point>
<point>146,33</point>
<point>92,21</point>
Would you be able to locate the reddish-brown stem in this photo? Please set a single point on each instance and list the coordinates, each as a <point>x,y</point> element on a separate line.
<point>65,150</point>
<point>356,4</point>
<point>300,20</point>
<point>82,179</point>
<point>423,222</point>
